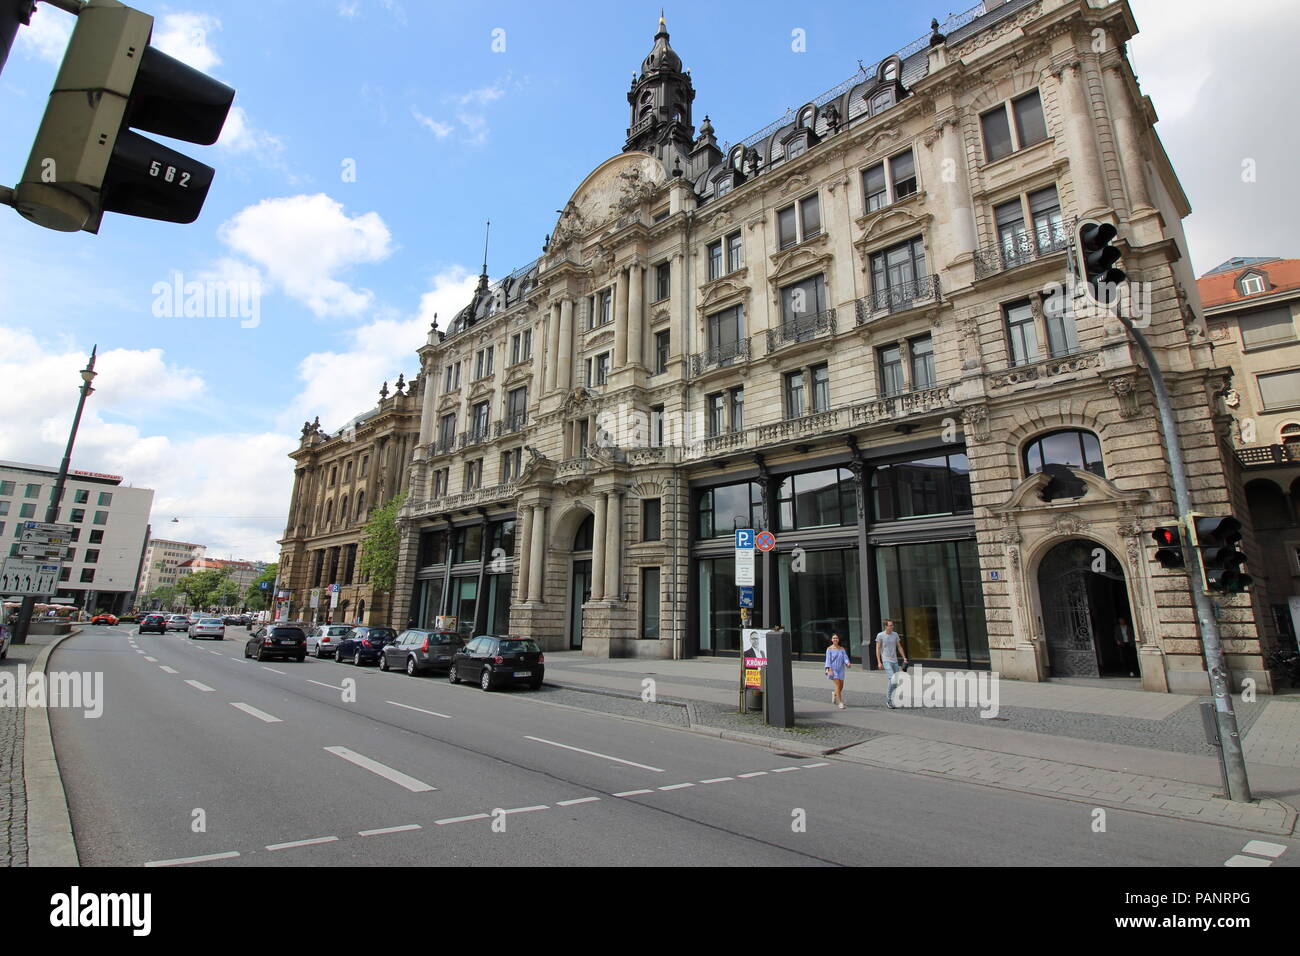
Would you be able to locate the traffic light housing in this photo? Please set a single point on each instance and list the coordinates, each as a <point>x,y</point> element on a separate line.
<point>87,158</point>
<point>1096,260</point>
<point>1216,539</point>
<point>1169,546</point>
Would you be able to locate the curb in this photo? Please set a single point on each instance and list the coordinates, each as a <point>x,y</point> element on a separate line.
<point>49,827</point>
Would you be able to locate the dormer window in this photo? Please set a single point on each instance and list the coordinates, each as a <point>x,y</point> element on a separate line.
<point>1252,284</point>
<point>880,101</point>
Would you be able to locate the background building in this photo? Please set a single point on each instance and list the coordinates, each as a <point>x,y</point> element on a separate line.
<point>162,561</point>
<point>241,573</point>
<point>110,526</point>
<point>1251,306</point>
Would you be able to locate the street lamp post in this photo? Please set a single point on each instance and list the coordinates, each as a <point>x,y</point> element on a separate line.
<point>56,496</point>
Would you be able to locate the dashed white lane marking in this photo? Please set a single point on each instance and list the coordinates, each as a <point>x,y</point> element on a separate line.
<point>573,803</point>
<point>375,767</point>
<point>139,651</point>
<point>786,769</point>
<point>822,764</point>
<point>717,780</point>
<point>167,670</point>
<point>218,653</point>
<point>592,753</point>
<point>197,686</point>
<point>272,670</point>
<point>1261,848</point>
<point>383,830</point>
<point>1240,860</point>
<point>298,843</point>
<point>229,855</point>
<point>431,713</point>
<point>631,793</point>
<point>259,714</point>
<point>323,684</point>
<point>151,660</point>
<point>464,819</point>
<point>677,786</point>
<point>756,773</point>
<point>540,806</point>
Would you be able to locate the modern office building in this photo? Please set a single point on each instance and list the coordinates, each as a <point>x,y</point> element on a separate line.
<point>162,561</point>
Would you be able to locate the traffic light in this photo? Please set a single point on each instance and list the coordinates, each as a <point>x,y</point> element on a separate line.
<point>87,158</point>
<point>1221,562</point>
<point>1169,546</point>
<point>1097,258</point>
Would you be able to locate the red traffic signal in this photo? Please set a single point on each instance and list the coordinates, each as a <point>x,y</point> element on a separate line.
<point>1169,546</point>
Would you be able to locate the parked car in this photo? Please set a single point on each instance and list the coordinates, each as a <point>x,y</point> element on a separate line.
<point>4,641</point>
<point>153,622</point>
<point>495,661</point>
<point>288,641</point>
<point>417,651</point>
<point>208,627</point>
<point>364,645</point>
<point>108,619</point>
<point>178,622</point>
<point>322,640</point>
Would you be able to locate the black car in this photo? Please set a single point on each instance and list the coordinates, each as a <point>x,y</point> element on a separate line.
<point>495,661</point>
<point>278,640</point>
<point>417,651</point>
<point>153,622</point>
<point>364,645</point>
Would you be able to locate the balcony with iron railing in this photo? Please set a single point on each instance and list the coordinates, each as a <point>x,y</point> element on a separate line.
<point>443,446</point>
<point>900,297</point>
<point>720,356</point>
<point>1023,247</point>
<point>804,328</point>
<point>476,435</point>
<point>511,424</point>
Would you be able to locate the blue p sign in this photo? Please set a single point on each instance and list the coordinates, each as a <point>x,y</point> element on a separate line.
<point>744,537</point>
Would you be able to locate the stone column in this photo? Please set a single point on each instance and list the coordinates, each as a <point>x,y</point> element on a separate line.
<point>537,552</point>
<point>598,551</point>
<point>538,332</point>
<point>1128,139</point>
<point>1081,144</point>
<point>564,368</point>
<point>524,552</point>
<point>552,349</point>
<point>613,545</point>
<point>635,314</point>
<point>620,322</point>
<point>427,406</point>
<point>957,192</point>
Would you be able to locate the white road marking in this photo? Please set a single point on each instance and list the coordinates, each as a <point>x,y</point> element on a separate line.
<point>809,766</point>
<point>139,651</point>
<point>677,786</point>
<point>375,767</point>
<point>298,843</point>
<point>786,769</point>
<point>167,670</point>
<point>540,806</point>
<point>1240,860</point>
<point>1260,848</point>
<point>756,773</point>
<point>717,780</point>
<point>431,713</point>
<point>322,684</point>
<point>229,855</point>
<point>197,686</point>
<point>259,714</point>
<point>592,753</point>
<point>472,816</point>
<point>631,793</point>
<point>218,653</point>
<point>570,803</point>
<point>151,660</point>
<point>382,830</point>
<point>272,670</point>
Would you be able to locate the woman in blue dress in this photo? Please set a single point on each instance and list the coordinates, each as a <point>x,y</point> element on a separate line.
<point>837,660</point>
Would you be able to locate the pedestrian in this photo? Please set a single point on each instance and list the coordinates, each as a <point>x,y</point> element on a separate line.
<point>1124,641</point>
<point>888,646</point>
<point>837,660</point>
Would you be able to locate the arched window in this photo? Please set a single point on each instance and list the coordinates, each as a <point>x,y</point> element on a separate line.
<point>1289,432</point>
<point>343,510</point>
<point>586,531</point>
<point>1073,447</point>
<point>361,505</point>
<point>329,513</point>
<point>347,472</point>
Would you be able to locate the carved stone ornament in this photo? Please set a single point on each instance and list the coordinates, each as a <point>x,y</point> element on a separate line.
<point>1010,536</point>
<point>1069,525</point>
<point>793,184</point>
<point>985,37</point>
<point>636,189</point>
<point>976,420</point>
<point>1129,527</point>
<point>1124,388</point>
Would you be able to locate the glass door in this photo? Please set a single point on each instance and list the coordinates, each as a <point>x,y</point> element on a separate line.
<point>579,594</point>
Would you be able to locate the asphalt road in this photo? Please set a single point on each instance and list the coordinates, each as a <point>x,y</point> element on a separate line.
<point>203,757</point>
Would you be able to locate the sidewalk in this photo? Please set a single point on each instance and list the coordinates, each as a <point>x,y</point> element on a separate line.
<point>1104,742</point>
<point>13,793</point>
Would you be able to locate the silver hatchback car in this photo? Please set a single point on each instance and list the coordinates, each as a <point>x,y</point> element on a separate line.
<point>208,627</point>
<point>322,640</point>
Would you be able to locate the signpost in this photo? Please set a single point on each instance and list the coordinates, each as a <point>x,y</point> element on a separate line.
<point>745,583</point>
<point>28,577</point>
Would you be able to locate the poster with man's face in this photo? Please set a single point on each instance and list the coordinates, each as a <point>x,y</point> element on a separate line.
<point>754,644</point>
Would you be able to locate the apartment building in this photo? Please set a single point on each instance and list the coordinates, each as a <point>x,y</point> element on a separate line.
<point>162,561</point>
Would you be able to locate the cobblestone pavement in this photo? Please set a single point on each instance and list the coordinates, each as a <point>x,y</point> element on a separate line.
<point>13,793</point>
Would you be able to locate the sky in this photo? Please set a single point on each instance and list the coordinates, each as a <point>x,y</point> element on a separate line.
<point>369,142</point>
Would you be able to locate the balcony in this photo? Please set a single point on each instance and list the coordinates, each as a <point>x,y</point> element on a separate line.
<point>511,424</point>
<point>463,501</point>
<point>720,356</point>
<point>1261,456</point>
<point>1022,248</point>
<point>444,446</point>
<point>475,436</point>
<point>803,329</point>
<point>898,298</point>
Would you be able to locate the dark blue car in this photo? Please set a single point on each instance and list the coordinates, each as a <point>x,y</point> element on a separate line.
<point>365,645</point>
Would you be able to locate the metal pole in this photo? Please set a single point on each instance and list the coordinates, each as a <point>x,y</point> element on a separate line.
<point>1226,718</point>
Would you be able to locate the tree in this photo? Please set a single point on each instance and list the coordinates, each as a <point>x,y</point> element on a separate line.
<point>255,597</point>
<point>226,594</point>
<point>201,587</point>
<point>379,544</point>
<point>164,595</point>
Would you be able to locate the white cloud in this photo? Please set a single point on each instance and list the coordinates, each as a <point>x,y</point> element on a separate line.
<point>241,136</point>
<point>440,130</point>
<point>185,36</point>
<point>349,8</point>
<point>302,244</point>
<point>470,108</point>
<point>46,37</point>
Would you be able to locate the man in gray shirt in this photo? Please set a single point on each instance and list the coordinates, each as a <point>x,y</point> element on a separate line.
<point>888,647</point>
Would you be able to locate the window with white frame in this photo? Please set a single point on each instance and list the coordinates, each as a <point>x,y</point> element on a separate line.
<point>1252,284</point>
<point>483,362</point>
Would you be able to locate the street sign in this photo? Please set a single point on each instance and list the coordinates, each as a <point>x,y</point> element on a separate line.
<point>334,589</point>
<point>315,597</point>
<point>265,586</point>
<point>47,527</point>
<point>765,541</point>
<point>32,578</point>
<point>744,538</point>
<point>42,537</point>
<point>745,556</point>
<point>747,596</point>
<point>51,551</point>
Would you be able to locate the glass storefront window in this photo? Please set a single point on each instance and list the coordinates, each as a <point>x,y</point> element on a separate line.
<point>433,548</point>
<point>924,486</point>
<point>464,602</point>
<point>503,538</point>
<point>723,509</point>
<point>469,544</point>
<point>820,600</point>
<point>498,594</point>
<point>817,499</point>
<point>428,602</point>
<point>650,603</point>
<point>932,593</point>
<point>719,613</point>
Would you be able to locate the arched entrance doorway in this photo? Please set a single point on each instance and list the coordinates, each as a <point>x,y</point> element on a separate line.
<point>1083,596</point>
<point>580,579</point>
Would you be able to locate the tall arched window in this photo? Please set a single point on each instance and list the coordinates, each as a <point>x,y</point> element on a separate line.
<point>329,513</point>
<point>1073,447</point>
<point>343,510</point>
<point>586,531</point>
<point>361,505</point>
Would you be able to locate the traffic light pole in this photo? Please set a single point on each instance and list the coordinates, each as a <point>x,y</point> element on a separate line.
<point>1234,760</point>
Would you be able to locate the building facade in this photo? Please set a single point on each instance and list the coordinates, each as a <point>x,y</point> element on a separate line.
<point>339,479</point>
<point>1252,307</point>
<point>241,573</point>
<point>855,329</point>
<point>110,523</point>
<point>162,561</point>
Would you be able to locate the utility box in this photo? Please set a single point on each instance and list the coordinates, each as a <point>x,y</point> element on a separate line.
<point>780,680</point>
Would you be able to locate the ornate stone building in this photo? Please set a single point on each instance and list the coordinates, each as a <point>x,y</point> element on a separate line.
<point>853,329</point>
<point>339,480</point>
